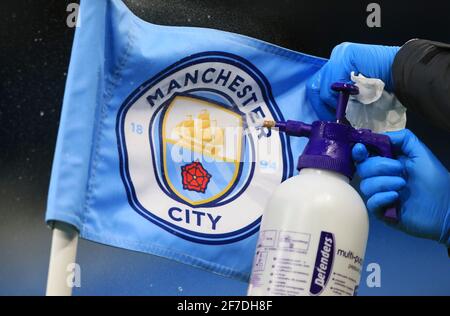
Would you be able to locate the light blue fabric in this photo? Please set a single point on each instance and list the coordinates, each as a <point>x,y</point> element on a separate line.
<point>110,139</point>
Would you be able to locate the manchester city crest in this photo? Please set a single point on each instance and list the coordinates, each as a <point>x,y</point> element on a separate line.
<point>189,160</point>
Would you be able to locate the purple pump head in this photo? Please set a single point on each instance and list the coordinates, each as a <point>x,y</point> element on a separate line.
<point>330,143</point>
<point>347,90</point>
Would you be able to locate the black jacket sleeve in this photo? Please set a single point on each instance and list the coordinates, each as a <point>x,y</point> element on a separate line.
<point>421,73</point>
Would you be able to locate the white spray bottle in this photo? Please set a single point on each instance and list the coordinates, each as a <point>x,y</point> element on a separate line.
<point>314,229</point>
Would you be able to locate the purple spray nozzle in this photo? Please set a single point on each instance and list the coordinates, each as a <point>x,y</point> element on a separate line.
<point>330,143</point>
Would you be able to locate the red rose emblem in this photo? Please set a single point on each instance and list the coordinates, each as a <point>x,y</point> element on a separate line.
<point>195,177</point>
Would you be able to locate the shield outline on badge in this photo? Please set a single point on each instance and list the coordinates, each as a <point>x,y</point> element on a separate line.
<point>164,140</point>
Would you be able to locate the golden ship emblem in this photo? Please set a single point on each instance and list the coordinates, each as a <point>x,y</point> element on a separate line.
<point>200,134</point>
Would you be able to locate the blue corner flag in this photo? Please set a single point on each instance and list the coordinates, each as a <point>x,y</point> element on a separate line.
<point>156,151</point>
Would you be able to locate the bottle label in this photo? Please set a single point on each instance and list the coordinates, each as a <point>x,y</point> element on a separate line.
<point>301,263</point>
<point>324,262</point>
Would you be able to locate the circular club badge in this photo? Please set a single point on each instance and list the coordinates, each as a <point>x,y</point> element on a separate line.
<point>191,160</point>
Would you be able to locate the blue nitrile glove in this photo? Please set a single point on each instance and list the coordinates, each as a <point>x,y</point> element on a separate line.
<point>417,179</point>
<point>373,61</point>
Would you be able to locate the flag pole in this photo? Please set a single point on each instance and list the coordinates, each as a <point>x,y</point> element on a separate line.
<point>63,253</point>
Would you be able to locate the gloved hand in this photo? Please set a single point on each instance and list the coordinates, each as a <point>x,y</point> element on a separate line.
<point>373,61</point>
<point>417,179</point>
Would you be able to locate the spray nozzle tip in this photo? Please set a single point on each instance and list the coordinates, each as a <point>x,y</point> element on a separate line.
<point>254,120</point>
<point>269,124</point>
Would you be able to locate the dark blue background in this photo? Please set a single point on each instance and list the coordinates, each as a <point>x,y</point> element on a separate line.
<point>34,55</point>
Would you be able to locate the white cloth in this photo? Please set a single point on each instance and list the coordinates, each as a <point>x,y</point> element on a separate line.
<point>374,108</point>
